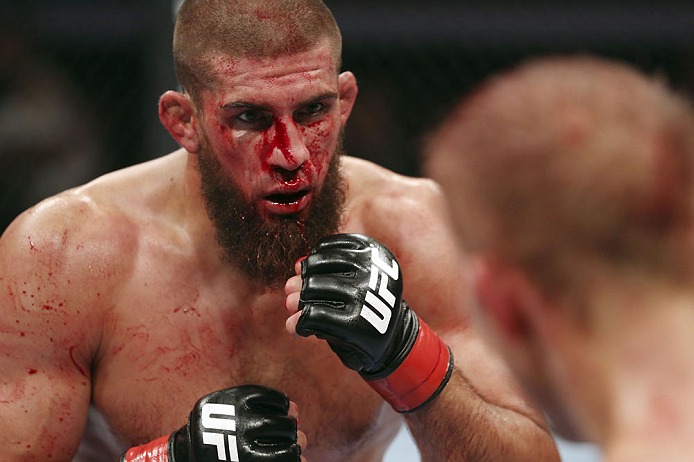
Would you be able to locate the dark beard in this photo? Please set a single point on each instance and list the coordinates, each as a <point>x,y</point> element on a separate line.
<point>266,250</point>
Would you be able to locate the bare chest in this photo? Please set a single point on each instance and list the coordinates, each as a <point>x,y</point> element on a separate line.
<point>168,343</point>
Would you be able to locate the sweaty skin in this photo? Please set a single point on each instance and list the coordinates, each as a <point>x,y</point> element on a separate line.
<point>115,293</point>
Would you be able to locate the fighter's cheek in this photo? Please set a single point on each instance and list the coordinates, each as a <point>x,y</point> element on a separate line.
<point>321,134</point>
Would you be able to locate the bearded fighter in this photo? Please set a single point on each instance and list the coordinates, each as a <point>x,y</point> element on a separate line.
<point>156,293</point>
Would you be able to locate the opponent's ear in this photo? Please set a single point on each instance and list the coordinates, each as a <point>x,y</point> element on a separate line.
<point>177,114</point>
<point>501,291</point>
<point>347,87</point>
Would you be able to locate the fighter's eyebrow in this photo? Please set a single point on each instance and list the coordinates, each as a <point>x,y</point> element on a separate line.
<point>245,105</point>
<point>248,105</point>
<point>326,95</point>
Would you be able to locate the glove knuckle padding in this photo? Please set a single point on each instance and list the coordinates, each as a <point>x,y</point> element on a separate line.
<point>250,420</point>
<point>343,241</point>
<point>266,399</point>
<point>328,288</point>
<point>351,296</point>
<point>271,431</point>
<point>331,261</point>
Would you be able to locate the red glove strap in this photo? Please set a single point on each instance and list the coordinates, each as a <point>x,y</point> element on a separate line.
<point>154,451</point>
<point>421,374</point>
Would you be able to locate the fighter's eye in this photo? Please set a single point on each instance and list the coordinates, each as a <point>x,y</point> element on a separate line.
<point>253,119</point>
<point>251,115</point>
<point>314,108</point>
<point>310,112</point>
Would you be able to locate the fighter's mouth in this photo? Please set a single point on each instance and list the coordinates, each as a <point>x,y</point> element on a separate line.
<point>289,198</point>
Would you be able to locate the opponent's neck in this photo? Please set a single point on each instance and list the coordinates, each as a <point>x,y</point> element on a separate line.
<point>647,351</point>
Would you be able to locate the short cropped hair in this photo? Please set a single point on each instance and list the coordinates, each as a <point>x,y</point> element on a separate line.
<point>570,158</point>
<point>246,28</point>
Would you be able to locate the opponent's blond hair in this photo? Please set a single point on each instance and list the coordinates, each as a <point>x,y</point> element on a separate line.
<point>246,28</point>
<point>565,159</point>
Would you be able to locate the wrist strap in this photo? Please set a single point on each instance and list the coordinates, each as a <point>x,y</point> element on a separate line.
<point>154,451</point>
<point>421,376</point>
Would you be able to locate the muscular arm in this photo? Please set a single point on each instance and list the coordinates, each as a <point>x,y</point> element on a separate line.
<point>481,413</point>
<point>459,425</point>
<point>44,346</point>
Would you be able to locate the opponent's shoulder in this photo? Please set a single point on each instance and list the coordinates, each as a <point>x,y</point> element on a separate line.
<point>379,196</point>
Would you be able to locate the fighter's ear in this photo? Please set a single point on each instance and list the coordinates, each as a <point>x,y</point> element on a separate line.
<point>177,114</point>
<point>348,93</point>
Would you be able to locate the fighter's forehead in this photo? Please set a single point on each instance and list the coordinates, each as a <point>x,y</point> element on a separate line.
<point>227,70</point>
<point>277,82</point>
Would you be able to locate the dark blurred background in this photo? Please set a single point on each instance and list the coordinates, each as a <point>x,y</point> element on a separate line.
<point>79,80</point>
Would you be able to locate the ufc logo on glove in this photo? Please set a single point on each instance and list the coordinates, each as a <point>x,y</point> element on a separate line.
<point>351,296</point>
<point>375,304</point>
<point>246,423</point>
<point>220,417</point>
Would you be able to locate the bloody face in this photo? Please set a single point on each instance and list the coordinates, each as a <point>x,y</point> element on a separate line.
<point>271,180</point>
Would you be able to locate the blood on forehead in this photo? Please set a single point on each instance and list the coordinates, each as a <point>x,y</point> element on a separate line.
<point>223,65</point>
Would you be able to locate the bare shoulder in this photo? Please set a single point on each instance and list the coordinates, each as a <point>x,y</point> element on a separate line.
<point>62,265</point>
<point>390,205</point>
<point>410,217</point>
<point>86,232</point>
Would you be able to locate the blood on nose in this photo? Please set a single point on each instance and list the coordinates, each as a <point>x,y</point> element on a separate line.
<point>286,149</point>
<point>283,143</point>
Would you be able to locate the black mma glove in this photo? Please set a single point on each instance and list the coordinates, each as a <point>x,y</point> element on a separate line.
<point>351,296</point>
<point>248,423</point>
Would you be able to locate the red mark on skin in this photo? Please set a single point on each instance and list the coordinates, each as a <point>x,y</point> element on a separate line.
<point>139,332</point>
<point>75,362</point>
<point>31,244</point>
<point>280,141</point>
<point>227,65</point>
<point>186,310</point>
<point>47,307</point>
<point>117,350</point>
<point>283,143</point>
<point>262,14</point>
<point>261,150</point>
<point>22,334</point>
<point>32,371</point>
<point>309,168</point>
